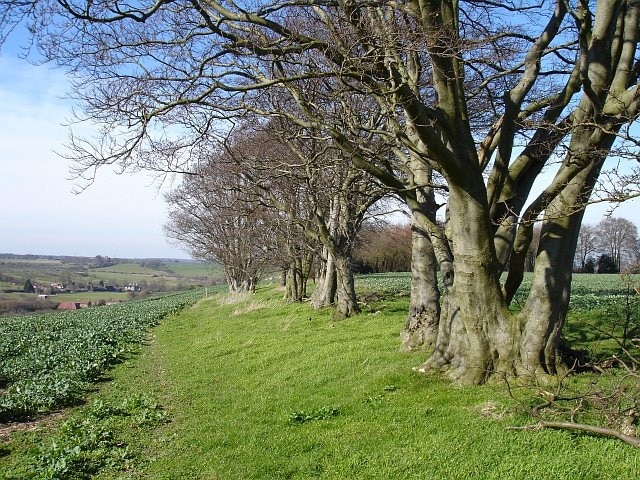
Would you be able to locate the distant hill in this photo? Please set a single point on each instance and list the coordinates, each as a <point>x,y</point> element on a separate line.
<point>99,278</point>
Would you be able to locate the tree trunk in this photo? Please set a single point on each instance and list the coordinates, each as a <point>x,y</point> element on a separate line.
<point>544,313</point>
<point>324,294</point>
<point>421,327</point>
<point>239,284</point>
<point>293,283</point>
<point>346,301</point>
<point>476,335</point>
<point>336,286</point>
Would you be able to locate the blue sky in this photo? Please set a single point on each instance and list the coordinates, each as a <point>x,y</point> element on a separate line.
<point>118,216</point>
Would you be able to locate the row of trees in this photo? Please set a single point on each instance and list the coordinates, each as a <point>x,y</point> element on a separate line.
<point>273,195</point>
<point>314,110</point>
<point>610,246</point>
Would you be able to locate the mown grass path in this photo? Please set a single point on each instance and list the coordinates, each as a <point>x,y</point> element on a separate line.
<point>257,389</point>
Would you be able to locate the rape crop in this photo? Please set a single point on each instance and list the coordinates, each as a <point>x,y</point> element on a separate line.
<point>49,361</point>
<point>588,291</point>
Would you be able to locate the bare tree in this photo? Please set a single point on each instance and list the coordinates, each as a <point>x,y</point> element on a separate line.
<point>282,159</point>
<point>587,245</point>
<point>216,222</point>
<point>472,100</point>
<point>618,237</point>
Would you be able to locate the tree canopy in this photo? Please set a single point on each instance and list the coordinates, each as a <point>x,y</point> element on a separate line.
<point>455,106</point>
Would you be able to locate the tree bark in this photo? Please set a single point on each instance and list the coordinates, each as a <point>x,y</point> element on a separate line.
<point>346,301</point>
<point>476,335</point>
<point>429,253</point>
<point>421,327</point>
<point>324,294</point>
<point>239,281</point>
<point>293,283</point>
<point>544,313</point>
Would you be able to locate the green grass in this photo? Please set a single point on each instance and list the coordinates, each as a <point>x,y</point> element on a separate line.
<point>195,269</point>
<point>238,374</point>
<point>258,389</point>
<point>130,268</point>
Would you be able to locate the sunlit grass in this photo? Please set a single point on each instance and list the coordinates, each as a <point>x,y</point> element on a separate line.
<point>236,383</point>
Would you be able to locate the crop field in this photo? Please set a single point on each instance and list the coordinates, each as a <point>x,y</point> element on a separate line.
<point>50,361</point>
<point>588,291</point>
<point>603,312</point>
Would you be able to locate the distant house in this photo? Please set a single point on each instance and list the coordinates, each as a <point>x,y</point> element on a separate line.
<point>69,306</point>
<point>57,287</point>
<point>132,287</point>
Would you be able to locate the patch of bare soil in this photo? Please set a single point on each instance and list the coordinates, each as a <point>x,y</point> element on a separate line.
<point>46,421</point>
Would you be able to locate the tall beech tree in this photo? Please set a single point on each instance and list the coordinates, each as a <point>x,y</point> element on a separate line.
<point>480,94</point>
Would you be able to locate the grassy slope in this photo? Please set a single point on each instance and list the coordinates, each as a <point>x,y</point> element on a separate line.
<point>233,376</point>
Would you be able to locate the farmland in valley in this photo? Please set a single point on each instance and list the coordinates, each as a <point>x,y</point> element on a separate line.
<point>94,280</point>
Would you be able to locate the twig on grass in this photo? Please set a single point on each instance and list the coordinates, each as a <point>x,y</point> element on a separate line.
<point>609,432</point>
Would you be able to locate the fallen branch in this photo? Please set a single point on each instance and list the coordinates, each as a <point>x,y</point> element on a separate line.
<point>609,432</point>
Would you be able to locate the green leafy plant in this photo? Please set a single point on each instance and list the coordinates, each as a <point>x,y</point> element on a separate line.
<point>50,361</point>
<point>87,443</point>
<point>322,413</point>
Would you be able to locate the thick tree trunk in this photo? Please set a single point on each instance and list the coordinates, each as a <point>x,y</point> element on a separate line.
<point>337,234</point>
<point>421,327</point>
<point>544,312</point>
<point>241,283</point>
<point>476,336</point>
<point>346,301</point>
<point>295,279</point>
<point>336,287</point>
<point>324,294</point>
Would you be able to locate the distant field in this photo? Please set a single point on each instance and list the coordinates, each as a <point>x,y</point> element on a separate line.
<point>33,261</point>
<point>195,269</point>
<point>130,268</point>
<point>80,273</point>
